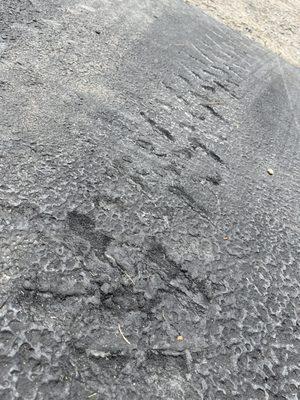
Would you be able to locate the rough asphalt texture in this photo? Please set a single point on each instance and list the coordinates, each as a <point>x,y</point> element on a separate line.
<point>136,207</point>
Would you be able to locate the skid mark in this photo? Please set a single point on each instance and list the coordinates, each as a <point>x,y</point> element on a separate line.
<point>209,68</point>
<point>187,153</point>
<point>196,75</point>
<point>220,39</point>
<point>213,111</point>
<point>180,192</point>
<point>222,70</point>
<point>197,144</point>
<point>194,115</point>
<point>196,94</point>
<point>184,79</point>
<point>248,50</point>
<point>165,104</point>
<point>173,91</point>
<point>145,144</point>
<point>203,85</point>
<point>194,58</point>
<point>187,126</point>
<point>165,132</point>
<point>214,179</point>
<point>211,73</point>
<point>225,88</point>
<point>222,57</point>
<point>226,73</point>
<point>217,59</point>
<point>139,181</point>
<point>209,88</point>
<point>202,54</point>
<point>229,48</point>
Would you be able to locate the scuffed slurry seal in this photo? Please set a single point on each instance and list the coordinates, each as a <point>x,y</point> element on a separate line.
<point>144,253</point>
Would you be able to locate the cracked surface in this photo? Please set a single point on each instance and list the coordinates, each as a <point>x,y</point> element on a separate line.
<point>135,199</point>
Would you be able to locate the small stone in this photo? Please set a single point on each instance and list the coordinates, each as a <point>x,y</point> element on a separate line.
<point>27,285</point>
<point>106,288</point>
<point>270,171</point>
<point>99,354</point>
<point>226,237</point>
<point>179,338</point>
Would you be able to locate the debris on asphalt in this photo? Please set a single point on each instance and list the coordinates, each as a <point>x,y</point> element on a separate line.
<point>122,334</point>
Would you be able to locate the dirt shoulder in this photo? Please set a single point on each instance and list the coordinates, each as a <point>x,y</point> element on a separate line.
<point>273,23</point>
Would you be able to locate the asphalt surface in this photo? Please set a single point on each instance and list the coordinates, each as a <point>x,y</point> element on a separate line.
<point>146,253</point>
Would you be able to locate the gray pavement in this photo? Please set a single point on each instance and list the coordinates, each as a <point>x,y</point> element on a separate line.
<point>146,252</point>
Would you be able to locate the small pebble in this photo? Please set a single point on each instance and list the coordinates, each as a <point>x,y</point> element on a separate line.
<point>106,288</point>
<point>226,237</point>
<point>270,171</point>
<point>179,338</point>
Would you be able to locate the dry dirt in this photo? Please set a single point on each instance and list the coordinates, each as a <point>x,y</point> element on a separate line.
<point>273,23</point>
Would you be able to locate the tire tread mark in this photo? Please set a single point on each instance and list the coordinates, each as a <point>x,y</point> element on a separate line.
<point>165,132</point>
<point>180,192</point>
<point>196,144</point>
